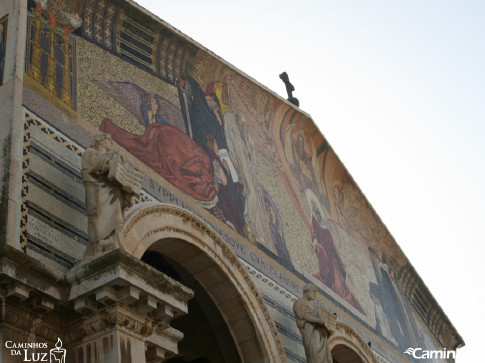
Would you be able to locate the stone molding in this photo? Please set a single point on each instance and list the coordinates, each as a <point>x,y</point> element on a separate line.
<point>118,292</point>
<point>344,334</point>
<point>115,266</point>
<point>428,308</point>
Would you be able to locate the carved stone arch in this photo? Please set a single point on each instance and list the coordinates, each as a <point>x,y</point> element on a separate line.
<point>189,241</point>
<point>345,335</point>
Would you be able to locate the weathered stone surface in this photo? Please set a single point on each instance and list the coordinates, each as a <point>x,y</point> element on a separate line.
<point>115,305</point>
<point>109,191</point>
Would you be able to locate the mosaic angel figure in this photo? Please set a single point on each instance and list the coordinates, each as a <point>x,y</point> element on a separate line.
<point>163,146</point>
<point>147,108</point>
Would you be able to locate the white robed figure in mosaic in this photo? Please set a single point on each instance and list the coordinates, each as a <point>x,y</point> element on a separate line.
<point>241,148</point>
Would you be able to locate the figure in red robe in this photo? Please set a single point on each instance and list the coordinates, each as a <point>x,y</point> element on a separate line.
<point>331,267</point>
<point>172,154</point>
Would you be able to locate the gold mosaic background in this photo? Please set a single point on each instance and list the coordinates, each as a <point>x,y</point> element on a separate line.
<point>94,104</point>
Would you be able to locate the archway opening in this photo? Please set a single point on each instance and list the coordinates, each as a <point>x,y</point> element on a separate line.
<point>207,338</point>
<point>188,241</point>
<point>344,354</point>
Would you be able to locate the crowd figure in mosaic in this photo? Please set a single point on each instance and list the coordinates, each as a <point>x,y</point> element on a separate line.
<point>302,176</point>
<point>205,114</point>
<point>402,329</point>
<point>163,147</point>
<point>331,267</point>
<point>210,155</point>
<point>213,141</point>
<point>277,232</point>
<point>204,148</point>
<point>222,132</point>
<point>315,325</point>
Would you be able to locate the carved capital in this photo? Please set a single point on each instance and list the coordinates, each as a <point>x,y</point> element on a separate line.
<point>113,316</point>
<point>39,327</point>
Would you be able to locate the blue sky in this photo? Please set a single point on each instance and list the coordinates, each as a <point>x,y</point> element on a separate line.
<point>398,89</point>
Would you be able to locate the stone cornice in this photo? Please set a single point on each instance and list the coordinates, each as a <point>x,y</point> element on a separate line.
<point>16,266</point>
<point>30,264</point>
<point>428,308</point>
<point>152,277</point>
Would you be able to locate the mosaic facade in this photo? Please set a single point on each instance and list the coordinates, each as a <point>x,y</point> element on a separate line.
<point>250,165</point>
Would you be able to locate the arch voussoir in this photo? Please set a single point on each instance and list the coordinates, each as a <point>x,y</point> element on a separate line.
<point>189,241</point>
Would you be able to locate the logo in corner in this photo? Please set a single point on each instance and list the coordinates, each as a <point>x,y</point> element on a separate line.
<point>409,351</point>
<point>420,353</point>
<point>23,350</point>
<point>58,354</point>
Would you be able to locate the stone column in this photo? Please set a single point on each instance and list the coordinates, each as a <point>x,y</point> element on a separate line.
<point>122,310</point>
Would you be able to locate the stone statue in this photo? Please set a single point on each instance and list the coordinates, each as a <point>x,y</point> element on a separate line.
<point>109,184</point>
<point>315,325</point>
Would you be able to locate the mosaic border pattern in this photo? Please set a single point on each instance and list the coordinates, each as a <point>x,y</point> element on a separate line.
<point>29,177</point>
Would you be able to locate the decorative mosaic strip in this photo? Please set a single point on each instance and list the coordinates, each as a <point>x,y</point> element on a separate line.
<point>108,25</point>
<point>178,63</point>
<point>172,57</point>
<point>269,282</point>
<point>98,22</point>
<point>87,25</point>
<point>142,198</point>
<point>28,176</point>
<point>25,185</point>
